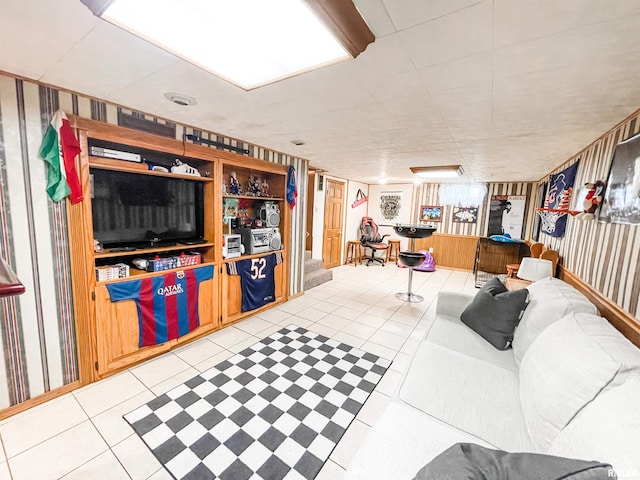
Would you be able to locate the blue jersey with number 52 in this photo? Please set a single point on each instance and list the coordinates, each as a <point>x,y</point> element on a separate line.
<point>256,279</point>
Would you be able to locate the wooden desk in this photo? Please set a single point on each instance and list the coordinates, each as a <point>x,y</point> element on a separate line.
<point>513,283</point>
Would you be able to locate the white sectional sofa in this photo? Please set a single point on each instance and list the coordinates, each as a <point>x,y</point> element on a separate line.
<point>570,387</point>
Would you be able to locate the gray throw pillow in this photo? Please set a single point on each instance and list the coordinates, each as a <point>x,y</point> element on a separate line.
<point>467,461</point>
<point>495,313</point>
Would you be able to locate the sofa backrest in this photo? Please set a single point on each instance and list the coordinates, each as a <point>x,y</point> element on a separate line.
<point>568,365</point>
<point>550,300</point>
<point>607,430</point>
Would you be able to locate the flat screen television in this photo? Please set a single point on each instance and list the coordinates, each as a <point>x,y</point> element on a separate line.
<point>135,210</point>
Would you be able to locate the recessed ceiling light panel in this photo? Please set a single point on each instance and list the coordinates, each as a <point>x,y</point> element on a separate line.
<point>248,42</point>
<point>445,171</point>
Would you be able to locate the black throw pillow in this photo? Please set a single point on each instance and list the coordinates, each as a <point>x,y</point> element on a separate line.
<point>468,461</point>
<point>495,313</point>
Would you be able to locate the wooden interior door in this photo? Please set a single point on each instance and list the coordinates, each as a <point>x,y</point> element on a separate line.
<point>333,213</point>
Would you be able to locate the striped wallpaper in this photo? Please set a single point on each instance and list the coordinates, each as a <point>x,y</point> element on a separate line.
<point>37,344</point>
<point>604,255</point>
<point>428,195</point>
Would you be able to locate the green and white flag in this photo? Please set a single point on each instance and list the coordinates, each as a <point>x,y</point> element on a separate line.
<point>59,149</point>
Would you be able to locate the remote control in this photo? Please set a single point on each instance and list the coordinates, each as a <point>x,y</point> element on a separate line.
<point>122,249</point>
<point>195,241</point>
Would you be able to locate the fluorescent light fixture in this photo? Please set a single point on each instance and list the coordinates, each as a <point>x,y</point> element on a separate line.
<point>249,43</point>
<point>446,171</point>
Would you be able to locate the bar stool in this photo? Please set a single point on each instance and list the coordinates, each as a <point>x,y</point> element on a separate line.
<point>410,259</point>
<point>393,251</point>
<point>354,254</point>
<point>512,269</point>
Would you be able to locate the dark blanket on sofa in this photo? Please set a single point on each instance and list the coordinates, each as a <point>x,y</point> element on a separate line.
<point>467,461</point>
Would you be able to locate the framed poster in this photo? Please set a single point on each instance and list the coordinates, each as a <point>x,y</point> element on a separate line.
<point>465,214</point>
<point>430,213</point>
<point>621,202</point>
<point>559,197</point>
<point>506,215</point>
<point>390,205</point>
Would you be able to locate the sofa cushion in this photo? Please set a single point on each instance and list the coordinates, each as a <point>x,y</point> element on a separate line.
<point>469,394</point>
<point>467,461</point>
<point>495,312</point>
<point>406,436</point>
<point>607,428</point>
<point>549,301</point>
<point>562,371</point>
<point>451,333</point>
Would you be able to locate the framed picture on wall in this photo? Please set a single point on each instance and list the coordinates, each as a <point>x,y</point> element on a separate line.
<point>430,213</point>
<point>506,215</point>
<point>465,214</point>
<point>621,203</point>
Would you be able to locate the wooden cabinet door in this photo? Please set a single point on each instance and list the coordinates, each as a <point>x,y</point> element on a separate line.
<point>232,294</point>
<point>117,330</point>
<point>333,213</point>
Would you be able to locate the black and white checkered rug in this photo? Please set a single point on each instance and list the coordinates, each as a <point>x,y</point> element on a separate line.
<point>275,410</point>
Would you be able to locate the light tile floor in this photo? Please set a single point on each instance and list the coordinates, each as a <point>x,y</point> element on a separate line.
<point>82,435</point>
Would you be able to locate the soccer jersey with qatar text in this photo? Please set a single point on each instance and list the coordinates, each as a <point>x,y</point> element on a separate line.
<point>256,279</point>
<point>167,304</point>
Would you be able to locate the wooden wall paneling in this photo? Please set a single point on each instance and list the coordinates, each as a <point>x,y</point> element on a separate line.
<point>626,323</point>
<point>452,251</point>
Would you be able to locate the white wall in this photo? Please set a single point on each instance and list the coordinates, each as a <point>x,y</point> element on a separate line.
<point>354,216</point>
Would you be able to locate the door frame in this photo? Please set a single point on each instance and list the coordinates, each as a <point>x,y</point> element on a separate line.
<point>342,217</point>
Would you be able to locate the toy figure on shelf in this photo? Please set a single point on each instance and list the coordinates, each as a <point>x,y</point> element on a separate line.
<point>253,186</point>
<point>234,185</point>
<point>264,188</point>
<point>592,200</point>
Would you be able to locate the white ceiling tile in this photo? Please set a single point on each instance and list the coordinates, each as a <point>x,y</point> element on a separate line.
<point>107,59</point>
<point>408,13</point>
<point>459,72</point>
<point>460,34</point>
<point>509,89</point>
<point>376,16</point>
<point>408,84</point>
<point>35,34</point>
<point>516,22</point>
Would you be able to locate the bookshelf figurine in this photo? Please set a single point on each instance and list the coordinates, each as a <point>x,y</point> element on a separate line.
<point>253,186</point>
<point>234,186</point>
<point>264,188</point>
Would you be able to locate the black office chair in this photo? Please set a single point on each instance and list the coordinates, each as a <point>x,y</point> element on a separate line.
<point>370,238</point>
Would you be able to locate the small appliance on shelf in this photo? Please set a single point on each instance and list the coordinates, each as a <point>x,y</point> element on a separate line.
<point>232,245</point>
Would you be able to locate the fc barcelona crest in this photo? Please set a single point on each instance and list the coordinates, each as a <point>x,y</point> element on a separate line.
<point>180,274</point>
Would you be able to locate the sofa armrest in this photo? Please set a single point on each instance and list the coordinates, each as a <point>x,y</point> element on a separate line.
<point>452,304</point>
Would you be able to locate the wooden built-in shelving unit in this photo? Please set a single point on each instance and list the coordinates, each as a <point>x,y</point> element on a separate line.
<point>107,332</point>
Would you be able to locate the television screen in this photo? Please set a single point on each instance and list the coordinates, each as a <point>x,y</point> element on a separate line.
<point>134,210</point>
